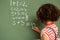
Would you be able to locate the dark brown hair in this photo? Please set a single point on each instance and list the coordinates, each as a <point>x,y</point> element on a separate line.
<point>48,12</point>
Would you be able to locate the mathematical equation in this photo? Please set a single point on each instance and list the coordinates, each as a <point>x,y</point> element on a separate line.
<point>19,12</point>
<point>18,3</point>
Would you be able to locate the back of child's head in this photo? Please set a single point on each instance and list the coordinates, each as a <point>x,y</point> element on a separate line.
<point>48,12</point>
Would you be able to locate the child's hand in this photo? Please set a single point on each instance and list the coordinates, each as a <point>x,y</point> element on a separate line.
<point>35,28</point>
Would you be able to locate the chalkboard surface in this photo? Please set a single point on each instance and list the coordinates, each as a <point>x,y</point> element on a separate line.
<point>18,16</point>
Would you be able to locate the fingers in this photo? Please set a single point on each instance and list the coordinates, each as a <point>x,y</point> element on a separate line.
<point>35,28</point>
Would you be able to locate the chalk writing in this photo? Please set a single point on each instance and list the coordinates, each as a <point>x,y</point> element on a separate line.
<point>19,12</point>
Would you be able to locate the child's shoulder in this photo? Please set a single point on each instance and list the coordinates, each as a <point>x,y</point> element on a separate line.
<point>47,30</point>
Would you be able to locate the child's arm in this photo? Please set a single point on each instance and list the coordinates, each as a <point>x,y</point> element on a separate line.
<point>36,29</point>
<point>44,37</point>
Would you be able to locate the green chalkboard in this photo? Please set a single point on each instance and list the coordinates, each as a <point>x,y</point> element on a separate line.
<point>18,16</point>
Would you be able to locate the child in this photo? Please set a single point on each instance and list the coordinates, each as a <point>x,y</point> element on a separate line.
<point>48,13</point>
